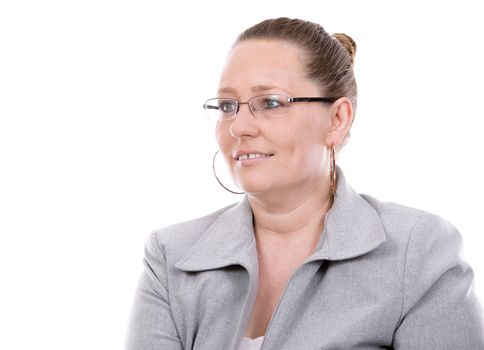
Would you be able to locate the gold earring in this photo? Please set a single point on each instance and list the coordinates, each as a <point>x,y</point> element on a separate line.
<point>221,184</point>
<point>332,172</point>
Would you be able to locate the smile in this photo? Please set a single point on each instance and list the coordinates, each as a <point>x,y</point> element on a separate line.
<point>253,156</point>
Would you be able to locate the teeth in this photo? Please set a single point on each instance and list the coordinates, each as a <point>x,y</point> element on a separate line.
<point>252,156</point>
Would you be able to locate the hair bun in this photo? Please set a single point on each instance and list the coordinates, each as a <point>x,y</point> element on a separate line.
<point>348,43</point>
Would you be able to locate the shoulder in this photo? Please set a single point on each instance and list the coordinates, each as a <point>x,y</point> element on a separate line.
<point>176,239</point>
<point>429,243</point>
<point>409,222</point>
<point>430,246</point>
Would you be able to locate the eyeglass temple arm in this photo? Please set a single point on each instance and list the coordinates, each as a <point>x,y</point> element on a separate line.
<point>313,99</point>
<point>206,106</point>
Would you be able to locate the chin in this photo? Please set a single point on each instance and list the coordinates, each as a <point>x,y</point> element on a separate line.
<point>253,180</point>
<point>253,185</point>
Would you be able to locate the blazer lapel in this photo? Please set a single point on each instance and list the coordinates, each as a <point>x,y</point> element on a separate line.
<point>352,227</point>
<point>221,303</point>
<point>228,241</point>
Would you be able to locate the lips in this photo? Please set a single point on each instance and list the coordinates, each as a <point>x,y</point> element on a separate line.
<point>251,154</point>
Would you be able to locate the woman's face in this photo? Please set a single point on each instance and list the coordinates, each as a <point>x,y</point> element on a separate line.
<point>296,141</point>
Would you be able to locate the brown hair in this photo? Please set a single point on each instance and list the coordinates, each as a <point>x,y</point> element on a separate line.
<point>329,58</point>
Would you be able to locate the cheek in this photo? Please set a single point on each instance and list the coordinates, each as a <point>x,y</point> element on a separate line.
<point>306,148</point>
<point>222,136</point>
<point>307,153</point>
<point>224,141</point>
<point>306,134</point>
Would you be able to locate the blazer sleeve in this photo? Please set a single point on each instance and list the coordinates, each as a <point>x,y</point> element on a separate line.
<point>440,309</point>
<point>151,325</point>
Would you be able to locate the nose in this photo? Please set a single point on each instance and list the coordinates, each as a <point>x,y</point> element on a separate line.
<point>244,123</point>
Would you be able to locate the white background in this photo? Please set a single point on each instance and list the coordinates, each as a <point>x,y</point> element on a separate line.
<point>103,138</point>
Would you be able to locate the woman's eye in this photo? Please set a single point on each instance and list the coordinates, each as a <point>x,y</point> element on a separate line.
<point>271,103</point>
<point>227,106</point>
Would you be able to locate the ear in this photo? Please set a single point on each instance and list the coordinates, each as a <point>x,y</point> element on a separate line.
<point>341,120</point>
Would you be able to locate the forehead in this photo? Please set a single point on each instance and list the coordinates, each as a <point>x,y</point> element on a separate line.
<point>255,64</point>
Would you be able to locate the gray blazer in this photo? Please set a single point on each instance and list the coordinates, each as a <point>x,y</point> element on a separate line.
<point>383,276</point>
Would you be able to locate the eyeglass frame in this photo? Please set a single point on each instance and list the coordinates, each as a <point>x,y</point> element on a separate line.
<point>289,100</point>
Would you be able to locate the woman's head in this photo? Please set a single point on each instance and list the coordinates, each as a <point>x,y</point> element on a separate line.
<point>290,58</point>
<point>328,58</point>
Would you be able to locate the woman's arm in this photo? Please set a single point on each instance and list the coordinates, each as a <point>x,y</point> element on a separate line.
<point>151,324</point>
<point>440,309</point>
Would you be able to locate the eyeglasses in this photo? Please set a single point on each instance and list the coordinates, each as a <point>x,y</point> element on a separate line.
<point>264,106</point>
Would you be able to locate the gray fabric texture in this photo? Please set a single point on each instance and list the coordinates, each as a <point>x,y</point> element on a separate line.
<point>383,276</point>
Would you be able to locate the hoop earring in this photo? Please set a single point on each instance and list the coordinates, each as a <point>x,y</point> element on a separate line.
<point>332,175</point>
<point>221,184</point>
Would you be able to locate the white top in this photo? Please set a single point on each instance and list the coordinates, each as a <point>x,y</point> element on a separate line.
<point>251,344</point>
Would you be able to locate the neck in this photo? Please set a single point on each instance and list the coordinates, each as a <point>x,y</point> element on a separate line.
<point>296,218</point>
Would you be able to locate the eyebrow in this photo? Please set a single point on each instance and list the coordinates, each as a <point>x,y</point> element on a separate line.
<point>257,88</point>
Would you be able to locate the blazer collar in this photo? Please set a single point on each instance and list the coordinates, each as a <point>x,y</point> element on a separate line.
<point>352,228</point>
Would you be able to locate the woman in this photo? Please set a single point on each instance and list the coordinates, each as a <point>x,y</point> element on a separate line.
<point>303,261</point>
